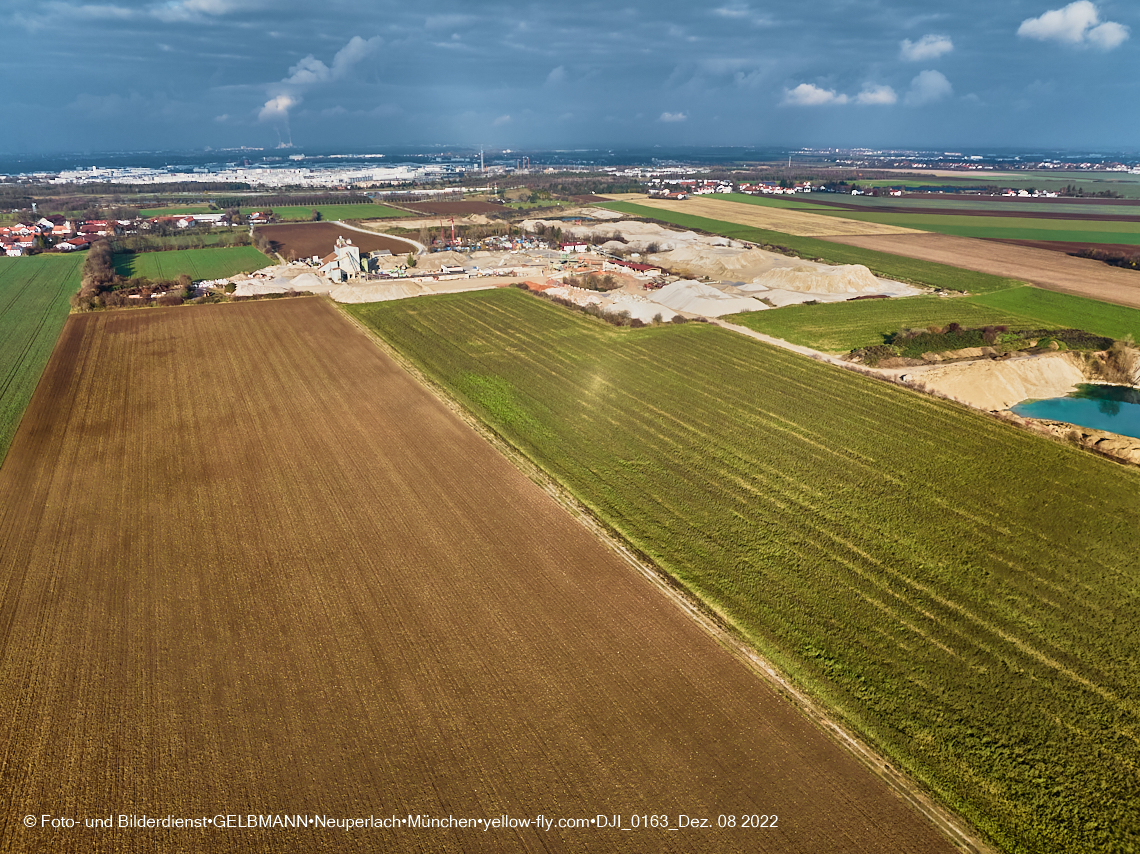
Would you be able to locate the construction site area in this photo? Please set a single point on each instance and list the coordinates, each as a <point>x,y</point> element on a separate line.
<point>649,272</point>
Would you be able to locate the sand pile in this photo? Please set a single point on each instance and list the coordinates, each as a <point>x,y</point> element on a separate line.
<point>637,236</point>
<point>640,308</point>
<point>847,279</point>
<point>432,261</point>
<point>309,282</point>
<point>999,385</point>
<point>596,213</point>
<point>718,262</point>
<point>281,284</point>
<point>377,293</point>
<point>695,298</point>
<point>578,296</point>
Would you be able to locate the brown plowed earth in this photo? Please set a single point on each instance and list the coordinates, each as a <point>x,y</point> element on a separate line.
<point>1076,217</point>
<point>318,238</point>
<point>272,573</point>
<point>1063,200</point>
<point>1069,248</point>
<point>457,208</point>
<point>1052,271</point>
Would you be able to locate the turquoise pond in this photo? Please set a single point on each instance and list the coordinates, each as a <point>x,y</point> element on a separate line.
<point>1114,408</point>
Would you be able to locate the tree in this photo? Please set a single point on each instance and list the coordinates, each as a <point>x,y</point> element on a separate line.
<point>411,260</point>
<point>316,216</point>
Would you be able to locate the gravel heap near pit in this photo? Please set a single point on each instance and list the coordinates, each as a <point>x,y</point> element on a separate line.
<point>378,292</point>
<point>578,296</point>
<point>696,298</point>
<point>640,308</point>
<point>999,385</point>
<point>432,261</point>
<point>595,213</point>
<point>848,279</point>
<point>279,279</point>
<point>639,236</point>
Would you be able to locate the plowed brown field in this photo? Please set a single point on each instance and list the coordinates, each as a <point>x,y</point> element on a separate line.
<point>1050,270</point>
<point>250,565</point>
<point>787,220</point>
<point>318,238</point>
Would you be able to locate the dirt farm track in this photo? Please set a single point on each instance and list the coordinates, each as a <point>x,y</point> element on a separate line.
<point>288,580</point>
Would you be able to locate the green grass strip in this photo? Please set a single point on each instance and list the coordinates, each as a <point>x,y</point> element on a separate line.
<point>34,304</point>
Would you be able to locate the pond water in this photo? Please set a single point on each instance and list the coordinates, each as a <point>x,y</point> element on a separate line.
<point>1115,408</point>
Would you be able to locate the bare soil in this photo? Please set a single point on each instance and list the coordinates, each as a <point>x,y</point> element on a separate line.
<point>1050,270</point>
<point>1043,214</point>
<point>318,238</point>
<point>787,220</point>
<point>272,573</point>
<point>456,208</point>
<point>1127,250</point>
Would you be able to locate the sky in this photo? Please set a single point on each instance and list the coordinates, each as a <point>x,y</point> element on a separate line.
<point>349,75</point>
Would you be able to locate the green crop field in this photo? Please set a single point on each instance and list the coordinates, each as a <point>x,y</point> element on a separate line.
<point>962,593</point>
<point>183,240</point>
<point>881,263</point>
<point>794,202</point>
<point>336,212</point>
<point>196,263</point>
<point>1008,228</point>
<point>844,326</point>
<point>1062,310</point>
<point>1125,184</point>
<point>34,294</point>
<point>175,211</point>
<point>969,203</point>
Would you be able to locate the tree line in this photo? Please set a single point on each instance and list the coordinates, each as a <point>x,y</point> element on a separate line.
<point>258,202</point>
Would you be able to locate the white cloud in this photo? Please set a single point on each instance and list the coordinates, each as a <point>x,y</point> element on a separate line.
<point>673,117</point>
<point>1078,23</point>
<point>556,76</point>
<point>311,70</point>
<point>928,87</point>
<point>48,14</point>
<point>809,95</point>
<point>501,120</point>
<point>277,109</point>
<point>876,95</point>
<point>1108,35</point>
<point>190,10</point>
<point>926,48</point>
<point>743,12</point>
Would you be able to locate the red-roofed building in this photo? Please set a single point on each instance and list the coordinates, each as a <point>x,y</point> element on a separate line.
<point>630,266</point>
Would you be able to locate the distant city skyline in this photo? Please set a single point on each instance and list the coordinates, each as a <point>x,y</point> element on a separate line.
<point>188,74</point>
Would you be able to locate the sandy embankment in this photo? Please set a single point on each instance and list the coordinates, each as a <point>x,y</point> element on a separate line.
<point>997,385</point>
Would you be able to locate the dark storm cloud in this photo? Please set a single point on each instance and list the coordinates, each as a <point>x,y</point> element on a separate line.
<point>191,73</point>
